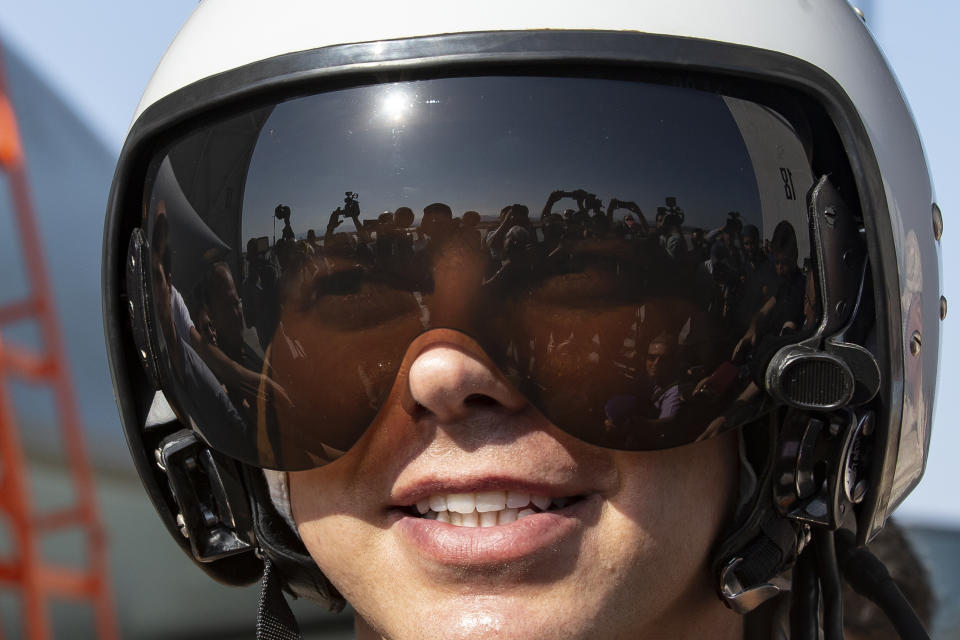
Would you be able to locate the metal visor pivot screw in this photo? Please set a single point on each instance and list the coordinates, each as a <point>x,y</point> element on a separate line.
<point>139,302</point>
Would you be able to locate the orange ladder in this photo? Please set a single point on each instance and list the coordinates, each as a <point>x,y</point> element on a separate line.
<point>26,569</point>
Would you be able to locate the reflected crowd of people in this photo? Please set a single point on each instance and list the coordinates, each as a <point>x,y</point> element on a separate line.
<point>671,317</point>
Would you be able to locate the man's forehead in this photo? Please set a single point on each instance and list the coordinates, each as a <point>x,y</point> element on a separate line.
<point>658,348</point>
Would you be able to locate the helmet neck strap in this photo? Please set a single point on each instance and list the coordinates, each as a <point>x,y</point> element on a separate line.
<point>275,621</point>
<point>293,567</point>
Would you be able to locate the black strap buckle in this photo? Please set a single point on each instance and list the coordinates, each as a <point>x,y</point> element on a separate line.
<point>213,513</point>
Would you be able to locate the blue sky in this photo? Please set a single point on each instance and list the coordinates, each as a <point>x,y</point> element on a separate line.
<point>100,54</point>
<point>499,149</point>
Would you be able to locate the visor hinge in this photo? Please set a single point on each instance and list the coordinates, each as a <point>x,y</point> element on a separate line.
<point>821,471</point>
<point>827,371</point>
<point>212,510</point>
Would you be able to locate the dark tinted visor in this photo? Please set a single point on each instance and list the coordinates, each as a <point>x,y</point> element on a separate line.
<point>620,251</point>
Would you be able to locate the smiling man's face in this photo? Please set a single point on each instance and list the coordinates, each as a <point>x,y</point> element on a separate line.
<point>606,544</point>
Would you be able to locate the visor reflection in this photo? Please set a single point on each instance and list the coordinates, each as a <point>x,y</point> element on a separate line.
<point>632,324</point>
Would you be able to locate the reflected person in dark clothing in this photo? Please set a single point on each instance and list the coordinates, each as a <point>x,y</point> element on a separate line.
<point>260,294</point>
<point>784,308</point>
<point>753,255</point>
<point>635,222</point>
<point>660,397</point>
<point>282,212</point>
<point>437,224</point>
<point>469,232</point>
<point>518,262</point>
<point>672,237</point>
<point>220,298</point>
<point>759,278</point>
<point>226,370</point>
<point>403,219</point>
<point>514,215</point>
<point>661,369</point>
<point>206,400</point>
<point>313,242</point>
<point>698,245</point>
<point>385,246</point>
<point>243,377</point>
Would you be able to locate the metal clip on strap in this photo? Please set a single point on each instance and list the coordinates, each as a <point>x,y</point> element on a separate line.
<point>743,599</point>
<point>753,577</point>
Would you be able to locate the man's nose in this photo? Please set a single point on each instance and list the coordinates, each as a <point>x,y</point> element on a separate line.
<point>450,383</point>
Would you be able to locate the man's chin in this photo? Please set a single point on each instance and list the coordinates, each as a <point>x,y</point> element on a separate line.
<point>484,617</point>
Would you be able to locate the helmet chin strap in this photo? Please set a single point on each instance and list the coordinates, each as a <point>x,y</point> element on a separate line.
<point>759,545</point>
<point>275,621</point>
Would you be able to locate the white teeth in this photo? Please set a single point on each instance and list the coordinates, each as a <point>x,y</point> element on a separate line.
<point>461,502</point>
<point>438,503</point>
<point>517,499</point>
<point>486,508</point>
<point>540,502</point>
<point>491,501</point>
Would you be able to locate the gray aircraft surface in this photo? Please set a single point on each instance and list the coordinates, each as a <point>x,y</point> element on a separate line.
<point>157,590</point>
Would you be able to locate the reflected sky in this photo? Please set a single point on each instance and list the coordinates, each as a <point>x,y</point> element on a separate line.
<point>482,143</point>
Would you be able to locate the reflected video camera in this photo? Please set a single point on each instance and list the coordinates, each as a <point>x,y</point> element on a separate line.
<point>592,203</point>
<point>351,208</point>
<point>734,224</point>
<point>672,210</point>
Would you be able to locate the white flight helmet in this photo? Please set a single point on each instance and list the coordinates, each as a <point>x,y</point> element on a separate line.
<point>871,213</point>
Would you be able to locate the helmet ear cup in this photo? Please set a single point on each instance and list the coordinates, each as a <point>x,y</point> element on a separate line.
<point>297,571</point>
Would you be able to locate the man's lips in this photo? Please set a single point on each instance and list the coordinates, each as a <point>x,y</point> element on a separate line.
<point>466,546</point>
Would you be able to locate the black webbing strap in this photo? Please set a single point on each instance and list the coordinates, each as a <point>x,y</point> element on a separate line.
<point>768,553</point>
<point>762,559</point>
<point>805,598</point>
<point>275,621</point>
